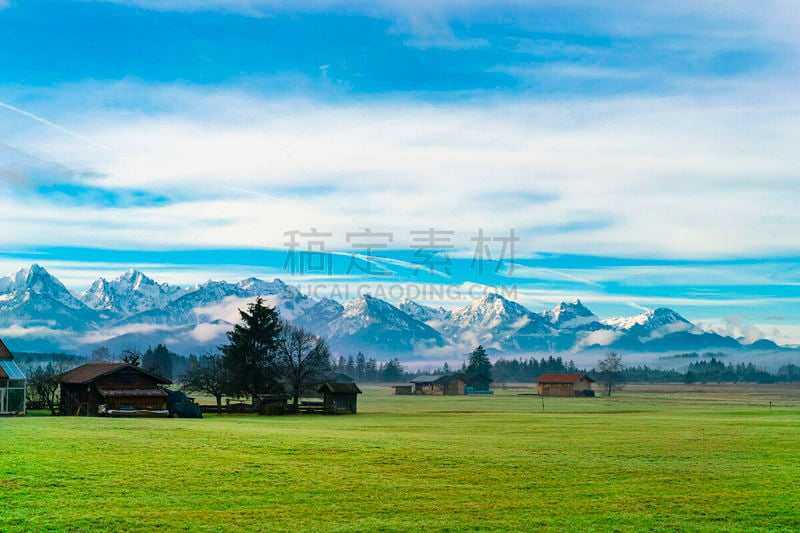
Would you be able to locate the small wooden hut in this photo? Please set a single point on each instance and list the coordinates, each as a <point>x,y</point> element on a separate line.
<point>564,385</point>
<point>12,384</point>
<point>112,389</point>
<point>449,385</point>
<point>340,397</point>
<point>475,382</point>
<point>403,390</point>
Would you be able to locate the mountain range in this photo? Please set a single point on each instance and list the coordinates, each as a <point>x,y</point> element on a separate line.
<point>38,313</point>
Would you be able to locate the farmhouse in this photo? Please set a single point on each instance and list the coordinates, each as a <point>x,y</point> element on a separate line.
<point>112,389</point>
<point>564,385</point>
<point>340,397</point>
<point>12,384</point>
<point>452,384</point>
<point>475,382</point>
<point>449,385</point>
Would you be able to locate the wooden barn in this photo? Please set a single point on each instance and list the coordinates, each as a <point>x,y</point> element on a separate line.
<point>340,397</point>
<point>449,385</point>
<point>475,382</point>
<point>12,384</point>
<point>403,390</point>
<point>112,389</point>
<point>564,385</point>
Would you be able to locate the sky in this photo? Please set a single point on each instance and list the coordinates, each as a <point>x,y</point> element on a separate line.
<point>644,154</point>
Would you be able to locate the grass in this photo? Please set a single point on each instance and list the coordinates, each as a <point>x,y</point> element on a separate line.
<point>658,460</point>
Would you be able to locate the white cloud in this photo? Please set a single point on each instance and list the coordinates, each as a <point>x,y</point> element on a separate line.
<point>603,337</point>
<point>711,176</point>
<point>20,331</point>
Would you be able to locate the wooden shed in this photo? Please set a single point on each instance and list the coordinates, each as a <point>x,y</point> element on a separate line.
<point>112,389</point>
<point>403,390</point>
<point>12,384</point>
<point>564,385</point>
<point>340,397</point>
<point>476,382</point>
<point>448,385</point>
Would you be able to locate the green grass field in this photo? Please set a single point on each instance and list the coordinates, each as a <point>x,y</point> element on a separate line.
<point>649,459</point>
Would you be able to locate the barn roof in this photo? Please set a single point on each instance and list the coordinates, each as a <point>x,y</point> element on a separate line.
<point>426,379</point>
<point>562,378</point>
<point>111,393</point>
<point>91,371</point>
<point>351,388</point>
<point>4,351</point>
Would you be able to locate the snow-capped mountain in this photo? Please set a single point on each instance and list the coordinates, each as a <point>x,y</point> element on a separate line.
<point>664,329</point>
<point>423,313</point>
<point>325,311</point>
<point>219,299</point>
<point>129,294</point>
<point>570,315</point>
<point>37,310</point>
<point>498,323</point>
<point>653,321</point>
<point>35,280</point>
<point>369,321</point>
<point>34,298</point>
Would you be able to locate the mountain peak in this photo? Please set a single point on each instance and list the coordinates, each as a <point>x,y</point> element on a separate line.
<point>421,312</point>
<point>130,293</point>
<point>34,282</point>
<point>568,315</point>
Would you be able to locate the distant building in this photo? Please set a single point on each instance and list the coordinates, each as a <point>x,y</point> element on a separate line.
<point>564,385</point>
<point>448,385</point>
<point>452,384</point>
<point>475,382</point>
<point>12,384</point>
<point>403,390</point>
<point>340,397</point>
<point>113,389</point>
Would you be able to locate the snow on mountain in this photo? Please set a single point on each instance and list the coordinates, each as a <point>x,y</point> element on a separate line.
<point>423,313</point>
<point>129,294</point>
<point>653,324</point>
<point>372,322</point>
<point>134,309</point>
<point>221,300</point>
<point>35,280</point>
<point>319,316</point>
<point>498,323</point>
<point>570,315</point>
<point>663,329</point>
<point>33,298</point>
<point>286,298</point>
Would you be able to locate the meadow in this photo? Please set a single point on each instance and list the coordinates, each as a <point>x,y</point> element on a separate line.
<point>649,458</point>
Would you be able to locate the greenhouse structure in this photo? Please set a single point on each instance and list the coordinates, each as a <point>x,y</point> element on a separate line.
<point>12,384</point>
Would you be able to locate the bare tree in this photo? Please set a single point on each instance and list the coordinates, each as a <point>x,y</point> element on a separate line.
<point>610,369</point>
<point>101,354</point>
<point>43,384</point>
<point>208,376</point>
<point>302,360</point>
<point>131,356</point>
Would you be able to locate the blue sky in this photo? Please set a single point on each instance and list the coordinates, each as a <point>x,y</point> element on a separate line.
<point>645,154</point>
